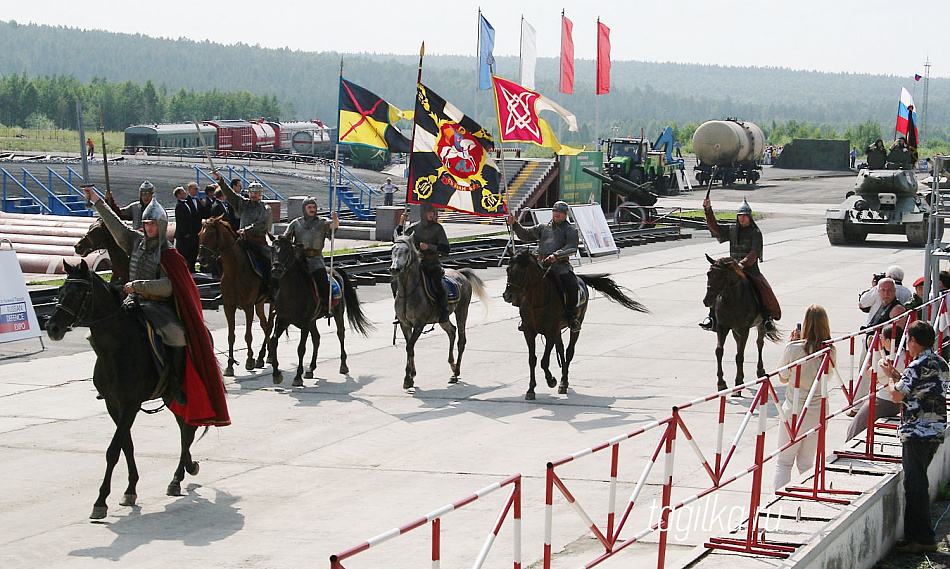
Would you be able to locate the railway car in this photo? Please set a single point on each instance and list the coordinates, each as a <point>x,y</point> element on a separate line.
<point>233,136</point>
<point>158,139</point>
<point>287,130</point>
<point>314,141</point>
<point>263,137</point>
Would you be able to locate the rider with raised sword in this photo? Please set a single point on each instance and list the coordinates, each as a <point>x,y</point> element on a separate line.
<point>254,225</point>
<point>745,246</point>
<point>557,241</point>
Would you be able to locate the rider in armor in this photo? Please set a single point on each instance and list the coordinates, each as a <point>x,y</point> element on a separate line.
<point>254,224</point>
<point>429,237</point>
<point>310,233</point>
<point>147,280</point>
<point>745,246</point>
<point>557,241</point>
<point>133,211</point>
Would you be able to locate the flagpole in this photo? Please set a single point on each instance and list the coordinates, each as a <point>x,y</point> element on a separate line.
<point>332,225</point>
<point>504,175</point>
<point>596,86</point>
<point>412,144</point>
<point>520,55</point>
<point>478,59</point>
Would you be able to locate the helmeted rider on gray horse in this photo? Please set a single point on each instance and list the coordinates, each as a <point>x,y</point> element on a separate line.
<point>254,225</point>
<point>429,236</point>
<point>310,233</point>
<point>149,282</point>
<point>557,241</point>
<point>745,246</point>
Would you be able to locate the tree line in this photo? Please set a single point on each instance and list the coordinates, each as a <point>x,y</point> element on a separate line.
<point>50,102</point>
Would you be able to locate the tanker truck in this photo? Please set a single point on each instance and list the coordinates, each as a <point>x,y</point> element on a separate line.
<point>728,150</point>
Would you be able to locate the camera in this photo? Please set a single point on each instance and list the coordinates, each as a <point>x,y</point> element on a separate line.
<point>879,276</point>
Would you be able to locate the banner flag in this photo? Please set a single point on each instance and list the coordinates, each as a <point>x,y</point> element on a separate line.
<point>603,59</point>
<point>451,165</point>
<point>566,83</point>
<point>486,44</point>
<point>517,110</point>
<point>366,119</point>
<point>529,53</point>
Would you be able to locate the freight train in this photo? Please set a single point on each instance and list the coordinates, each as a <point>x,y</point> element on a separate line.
<point>232,137</point>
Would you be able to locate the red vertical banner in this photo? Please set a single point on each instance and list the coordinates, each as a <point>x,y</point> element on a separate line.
<point>566,84</point>
<point>603,59</point>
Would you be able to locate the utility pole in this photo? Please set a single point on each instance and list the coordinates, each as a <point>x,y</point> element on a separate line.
<point>923,119</point>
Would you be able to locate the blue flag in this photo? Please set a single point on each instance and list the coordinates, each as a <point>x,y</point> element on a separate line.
<point>486,43</point>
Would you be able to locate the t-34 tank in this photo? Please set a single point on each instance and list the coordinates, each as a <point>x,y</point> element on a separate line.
<point>882,201</point>
<point>728,150</point>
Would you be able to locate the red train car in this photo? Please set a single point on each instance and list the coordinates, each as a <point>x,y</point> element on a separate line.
<point>233,136</point>
<point>265,136</point>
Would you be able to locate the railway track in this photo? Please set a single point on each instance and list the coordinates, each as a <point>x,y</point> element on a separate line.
<point>367,268</point>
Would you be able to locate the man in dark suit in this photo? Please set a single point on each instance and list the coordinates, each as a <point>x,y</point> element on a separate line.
<point>186,237</point>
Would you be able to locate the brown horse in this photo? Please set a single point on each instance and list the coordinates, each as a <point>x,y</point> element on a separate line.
<point>541,304</point>
<point>736,309</point>
<point>98,237</point>
<point>241,287</point>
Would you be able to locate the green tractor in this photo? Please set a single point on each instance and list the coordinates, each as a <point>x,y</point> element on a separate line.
<point>640,161</point>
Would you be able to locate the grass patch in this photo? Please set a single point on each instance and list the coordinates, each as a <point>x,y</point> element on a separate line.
<point>18,139</point>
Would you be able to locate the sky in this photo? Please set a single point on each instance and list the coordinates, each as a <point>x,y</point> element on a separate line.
<point>818,35</point>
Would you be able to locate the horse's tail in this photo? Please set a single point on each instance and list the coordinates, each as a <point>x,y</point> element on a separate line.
<point>605,285</point>
<point>354,312</point>
<point>774,335</point>
<point>478,287</point>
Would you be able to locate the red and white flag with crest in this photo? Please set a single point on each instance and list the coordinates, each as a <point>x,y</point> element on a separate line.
<point>517,109</point>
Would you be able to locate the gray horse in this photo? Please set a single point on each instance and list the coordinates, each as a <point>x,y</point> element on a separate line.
<point>414,309</point>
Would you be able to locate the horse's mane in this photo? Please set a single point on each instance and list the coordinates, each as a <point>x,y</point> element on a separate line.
<point>522,258</point>
<point>729,264</point>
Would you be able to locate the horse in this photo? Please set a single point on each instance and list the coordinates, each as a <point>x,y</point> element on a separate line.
<point>241,287</point>
<point>541,305</point>
<point>125,374</point>
<point>736,309</point>
<point>414,309</point>
<point>297,304</point>
<point>98,237</point>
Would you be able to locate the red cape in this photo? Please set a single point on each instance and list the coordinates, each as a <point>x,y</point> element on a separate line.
<point>202,384</point>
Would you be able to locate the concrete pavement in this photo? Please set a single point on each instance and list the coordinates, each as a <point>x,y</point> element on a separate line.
<point>304,473</point>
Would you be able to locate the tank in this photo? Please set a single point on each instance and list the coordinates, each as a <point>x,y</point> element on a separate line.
<point>728,150</point>
<point>718,143</point>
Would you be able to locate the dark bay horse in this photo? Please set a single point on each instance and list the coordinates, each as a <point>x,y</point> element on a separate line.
<point>541,304</point>
<point>98,237</point>
<point>241,287</point>
<point>125,374</point>
<point>297,305</point>
<point>414,309</point>
<point>730,294</point>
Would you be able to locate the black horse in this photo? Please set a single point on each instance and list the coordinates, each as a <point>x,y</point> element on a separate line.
<point>541,304</point>
<point>125,374</point>
<point>296,304</point>
<point>736,308</point>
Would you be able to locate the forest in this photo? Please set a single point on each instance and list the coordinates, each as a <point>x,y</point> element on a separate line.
<point>138,79</point>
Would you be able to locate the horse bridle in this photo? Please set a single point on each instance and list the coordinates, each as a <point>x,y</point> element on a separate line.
<point>79,314</point>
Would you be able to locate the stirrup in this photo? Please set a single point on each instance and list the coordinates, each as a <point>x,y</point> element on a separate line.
<point>708,324</point>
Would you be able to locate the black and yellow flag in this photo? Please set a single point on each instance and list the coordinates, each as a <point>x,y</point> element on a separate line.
<point>451,164</point>
<point>367,119</point>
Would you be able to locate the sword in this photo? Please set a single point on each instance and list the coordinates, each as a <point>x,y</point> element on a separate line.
<point>203,145</point>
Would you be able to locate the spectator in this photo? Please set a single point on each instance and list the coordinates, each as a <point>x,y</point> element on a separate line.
<point>678,149</point>
<point>921,390</point>
<point>186,239</point>
<point>815,330</point>
<point>854,156</point>
<point>388,189</point>
<point>882,407</point>
<point>890,308</point>
<point>90,148</point>
<point>869,301</point>
<point>918,297</point>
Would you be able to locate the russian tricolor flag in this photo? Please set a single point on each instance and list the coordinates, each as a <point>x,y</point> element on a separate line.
<point>904,110</point>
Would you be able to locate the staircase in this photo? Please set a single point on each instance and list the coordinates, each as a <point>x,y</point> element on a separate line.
<point>25,195</point>
<point>352,193</point>
<point>523,190</point>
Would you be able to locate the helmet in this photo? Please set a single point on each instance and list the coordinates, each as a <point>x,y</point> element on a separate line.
<point>146,188</point>
<point>561,206</point>
<point>155,212</point>
<point>255,187</point>
<point>307,202</point>
<point>744,208</point>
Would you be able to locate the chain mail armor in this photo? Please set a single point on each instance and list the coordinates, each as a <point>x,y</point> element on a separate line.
<point>558,239</point>
<point>254,217</point>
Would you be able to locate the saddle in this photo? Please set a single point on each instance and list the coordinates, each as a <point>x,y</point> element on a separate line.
<point>582,292</point>
<point>152,335</point>
<point>336,291</point>
<point>451,289</point>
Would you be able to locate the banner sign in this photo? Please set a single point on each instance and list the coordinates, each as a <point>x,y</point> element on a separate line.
<point>576,186</point>
<point>17,317</point>
<point>593,227</point>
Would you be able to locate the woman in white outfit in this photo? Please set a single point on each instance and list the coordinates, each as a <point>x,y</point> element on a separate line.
<point>815,330</point>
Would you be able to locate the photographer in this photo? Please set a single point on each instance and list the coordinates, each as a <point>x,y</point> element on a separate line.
<point>870,302</point>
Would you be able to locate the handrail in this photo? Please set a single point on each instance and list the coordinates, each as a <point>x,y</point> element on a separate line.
<point>50,196</point>
<point>26,192</point>
<point>366,193</point>
<point>512,504</point>
<point>69,186</point>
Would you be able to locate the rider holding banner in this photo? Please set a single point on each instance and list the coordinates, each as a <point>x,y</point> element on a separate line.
<point>310,232</point>
<point>745,246</point>
<point>429,236</point>
<point>557,241</point>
